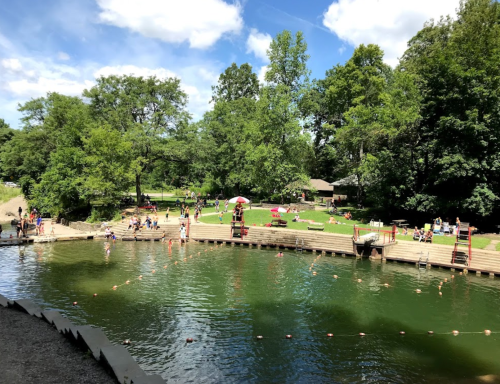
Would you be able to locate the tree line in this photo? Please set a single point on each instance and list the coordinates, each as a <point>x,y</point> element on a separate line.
<point>423,137</point>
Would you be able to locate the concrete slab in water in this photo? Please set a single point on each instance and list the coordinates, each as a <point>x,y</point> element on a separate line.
<point>29,307</point>
<point>4,302</point>
<point>50,315</point>
<point>154,379</point>
<point>93,339</point>
<point>61,323</point>
<point>122,363</point>
<point>72,333</point>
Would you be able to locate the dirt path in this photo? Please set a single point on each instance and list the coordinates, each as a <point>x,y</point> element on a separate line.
<point>33,352</point>
<point>9,210</point>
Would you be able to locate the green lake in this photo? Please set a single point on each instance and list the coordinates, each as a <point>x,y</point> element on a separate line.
<point>226,296</point>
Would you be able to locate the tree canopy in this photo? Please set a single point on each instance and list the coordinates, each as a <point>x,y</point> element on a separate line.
<point>421,138</point>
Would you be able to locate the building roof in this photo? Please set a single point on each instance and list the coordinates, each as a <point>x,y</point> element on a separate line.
<point>349,181</point>
<point>319,185</point>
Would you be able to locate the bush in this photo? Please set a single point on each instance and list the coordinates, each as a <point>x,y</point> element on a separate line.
<point>102,213</point>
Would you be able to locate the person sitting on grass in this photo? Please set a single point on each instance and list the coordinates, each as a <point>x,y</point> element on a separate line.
<point>348,215</point>
<point>332,220</point>
<point>421,235</point>
<point>296,218</point>
<point>405,231</point>
<point>428,235</point>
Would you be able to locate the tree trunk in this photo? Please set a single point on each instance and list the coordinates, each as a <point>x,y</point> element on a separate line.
<point>138,189</point>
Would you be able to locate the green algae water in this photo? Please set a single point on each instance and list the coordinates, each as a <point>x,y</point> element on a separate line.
<point>224,298</point>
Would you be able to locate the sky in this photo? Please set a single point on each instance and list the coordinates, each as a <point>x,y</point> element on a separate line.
<point>64,45</point>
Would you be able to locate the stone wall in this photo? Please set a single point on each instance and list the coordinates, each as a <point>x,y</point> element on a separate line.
<point>85,227</point>
<point>299,206</point>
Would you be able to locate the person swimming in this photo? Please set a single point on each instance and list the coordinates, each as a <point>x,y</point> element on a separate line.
<point>280,254</point>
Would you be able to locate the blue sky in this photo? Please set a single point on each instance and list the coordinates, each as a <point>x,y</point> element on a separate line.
<point>63,45</point>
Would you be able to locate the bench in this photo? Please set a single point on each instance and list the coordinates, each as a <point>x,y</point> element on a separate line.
<point>278,223</point>
<point>316,227</point>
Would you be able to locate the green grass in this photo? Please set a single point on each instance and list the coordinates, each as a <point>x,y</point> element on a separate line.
<point>7,193</point>
<point>260,217</point>
<point>498,247</point>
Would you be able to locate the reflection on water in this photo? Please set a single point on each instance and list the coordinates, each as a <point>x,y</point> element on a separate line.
<point>225,296</point>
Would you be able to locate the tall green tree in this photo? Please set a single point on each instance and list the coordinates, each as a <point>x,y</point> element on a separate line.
<point>236,83</point>
<point>147,112</point>
<point>281,147</point>
<point>456,65</point>
<point>229,130</point>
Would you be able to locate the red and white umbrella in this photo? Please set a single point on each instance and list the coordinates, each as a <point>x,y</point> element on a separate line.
<point>278,209</point>
<point>239,199</point>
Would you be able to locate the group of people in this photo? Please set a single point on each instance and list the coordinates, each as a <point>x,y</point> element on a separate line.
<point>421,234</point>
<point>135,223</point>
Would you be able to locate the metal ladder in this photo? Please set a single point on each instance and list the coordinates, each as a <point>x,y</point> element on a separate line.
<point>299,244</point>
<point>422,261</point>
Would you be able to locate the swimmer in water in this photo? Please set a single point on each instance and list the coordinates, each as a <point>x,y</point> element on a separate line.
<point>280,254</point>
<point>107,248</point>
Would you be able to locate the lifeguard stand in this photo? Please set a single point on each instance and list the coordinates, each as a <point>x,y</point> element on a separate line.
<point>463,238</point>
<point>238,226</point>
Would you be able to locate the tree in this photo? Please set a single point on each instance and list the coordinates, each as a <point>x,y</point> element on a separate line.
<point>456,65</point>
<point>236,83</point>
<point>288,63</point>
<point>281,147</point>
<point>145,111</point>
<point>356,96</point>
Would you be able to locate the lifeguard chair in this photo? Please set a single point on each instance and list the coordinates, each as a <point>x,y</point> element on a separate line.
<point>463,238</point>
<point>238,226</point>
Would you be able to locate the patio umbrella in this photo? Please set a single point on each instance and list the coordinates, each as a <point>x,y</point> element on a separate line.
<point>239,199</point>
<point>278,209</point>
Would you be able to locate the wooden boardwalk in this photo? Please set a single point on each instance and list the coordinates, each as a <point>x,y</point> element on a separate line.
<point>483,261</point>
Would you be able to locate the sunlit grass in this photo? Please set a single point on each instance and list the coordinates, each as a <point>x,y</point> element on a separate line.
<point>7,193</point>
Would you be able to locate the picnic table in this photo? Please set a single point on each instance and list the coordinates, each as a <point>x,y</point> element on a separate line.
<point>278,223</point>
<point>400,223</point>
<point>316,227</point>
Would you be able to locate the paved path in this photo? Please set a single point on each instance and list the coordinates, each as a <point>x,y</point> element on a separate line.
<point>492,246</point>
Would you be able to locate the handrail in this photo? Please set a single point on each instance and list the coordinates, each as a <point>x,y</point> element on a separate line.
<point>392,233</point>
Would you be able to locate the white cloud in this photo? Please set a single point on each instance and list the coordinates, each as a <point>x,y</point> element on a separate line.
<point>342,49</point>
<point>262,74</point>
<point>63,56</point>
<point>27,78</point>
<point>201,23</point>
<point>258,43</point>
<point>120,70</point>
<point>388,23</point>
<point>11,64</point>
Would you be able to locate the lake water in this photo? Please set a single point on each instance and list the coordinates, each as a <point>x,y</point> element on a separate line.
<point>225,297</point>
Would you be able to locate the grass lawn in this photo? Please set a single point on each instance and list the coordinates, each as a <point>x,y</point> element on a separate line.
<point>7,193</point>
<point>260,217</point>
<point>498,247</point>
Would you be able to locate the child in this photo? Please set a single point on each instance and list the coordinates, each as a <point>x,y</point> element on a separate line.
<point>280,254</point>
<point>166,214</point>
<point>220,216</point>
<point>107,248</point>
<point>113,236</point>
<point>42,228</point>
<point>163,237</point>
<point>52,230</point>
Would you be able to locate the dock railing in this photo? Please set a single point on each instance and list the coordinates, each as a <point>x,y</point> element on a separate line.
<point>387,238</point>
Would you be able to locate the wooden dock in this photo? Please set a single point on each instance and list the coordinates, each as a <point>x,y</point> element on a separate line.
<point>15,241</point>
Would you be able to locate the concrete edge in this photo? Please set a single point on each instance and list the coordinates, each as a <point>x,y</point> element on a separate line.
<point>123,366</point>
